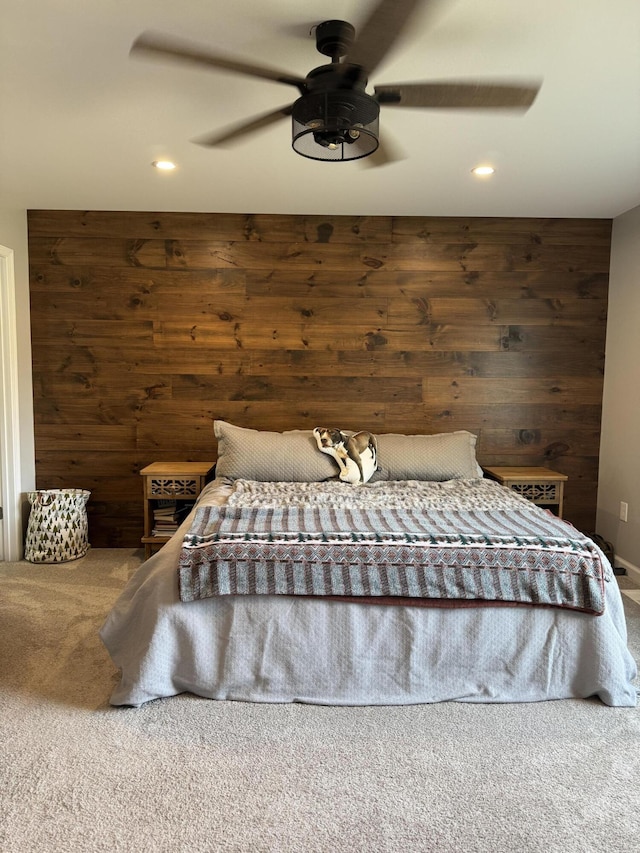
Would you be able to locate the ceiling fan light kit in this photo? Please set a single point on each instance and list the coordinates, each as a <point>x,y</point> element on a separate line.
<point>334,118</point>
<point>340,125</point>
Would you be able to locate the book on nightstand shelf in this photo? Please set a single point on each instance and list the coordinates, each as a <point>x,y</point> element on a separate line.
<point>168,515</point>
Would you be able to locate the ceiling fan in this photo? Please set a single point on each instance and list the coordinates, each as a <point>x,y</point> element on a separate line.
<point>334,118</point>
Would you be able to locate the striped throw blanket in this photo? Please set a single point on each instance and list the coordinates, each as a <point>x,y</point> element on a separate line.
<point>461,541</point>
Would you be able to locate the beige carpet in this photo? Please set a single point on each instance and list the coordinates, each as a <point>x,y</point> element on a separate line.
<point>188,774</point>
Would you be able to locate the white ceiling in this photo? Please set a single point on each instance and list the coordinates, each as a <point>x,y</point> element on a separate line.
<point>81,121</point>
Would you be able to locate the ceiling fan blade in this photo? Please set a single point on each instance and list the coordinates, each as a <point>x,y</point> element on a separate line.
<point>377,34</point>
<point>237,131</point>
<point>459,95</point>
<point>156,45</point>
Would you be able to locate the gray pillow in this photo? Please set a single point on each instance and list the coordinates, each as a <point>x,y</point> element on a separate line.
<point>444,456</point>
<point>293,456</point>
<point>251,454</point>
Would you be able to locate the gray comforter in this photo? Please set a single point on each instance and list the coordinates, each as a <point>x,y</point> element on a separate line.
<point>265,648</point>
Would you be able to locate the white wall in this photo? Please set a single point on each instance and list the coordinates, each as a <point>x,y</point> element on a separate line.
<point>13,235</point>
<point>619,478</point>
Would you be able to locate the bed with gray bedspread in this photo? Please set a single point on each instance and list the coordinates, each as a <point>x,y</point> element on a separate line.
<point>294,645</point>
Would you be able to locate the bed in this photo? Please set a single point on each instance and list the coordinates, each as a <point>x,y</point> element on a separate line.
<point>427,584</point>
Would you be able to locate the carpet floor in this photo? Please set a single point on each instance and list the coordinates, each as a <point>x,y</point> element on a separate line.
<point>189,774</point>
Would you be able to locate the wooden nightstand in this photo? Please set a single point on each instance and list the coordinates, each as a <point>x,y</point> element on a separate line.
<point>167,484</point>
<point>541,486</point>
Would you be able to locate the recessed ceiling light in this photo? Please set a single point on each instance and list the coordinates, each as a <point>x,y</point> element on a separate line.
<point>483,171</point>
<point>164,165</point>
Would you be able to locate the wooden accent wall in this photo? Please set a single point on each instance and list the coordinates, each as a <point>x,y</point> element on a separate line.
<point>146,327</point>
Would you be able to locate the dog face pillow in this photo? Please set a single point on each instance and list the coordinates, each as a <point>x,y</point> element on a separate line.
<point>356,455</point>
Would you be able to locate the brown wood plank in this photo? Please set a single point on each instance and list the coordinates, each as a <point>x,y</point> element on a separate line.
<point>453,257</point>
<point>371,362</point>
<point>103,385</point>
<point>314,310</point>
<point>70,251</point>
<point>534,442</point>
<point>583,361</point>
<point>438,416</point>
<point>111,282</point>
<point>579,360</point>
<point>536,338</point>
<point>81,332</point>
<point>556,390</point>
<point>209,254</point>
<point>465,311</point>
<point>74,410</point>
<point>227,226</point>
<point>486,284</point>
<point>199,304</point>
<point>347,336</point>
<point>142,359</point>
<point>285,388</point>
<point>496,230</point>
<point>61,437</point>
